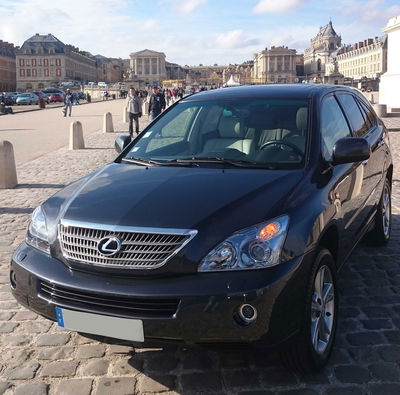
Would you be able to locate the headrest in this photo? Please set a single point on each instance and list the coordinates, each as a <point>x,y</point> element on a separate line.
<point>229,127</point>
<point>261,120</point>
<point>301,119</point>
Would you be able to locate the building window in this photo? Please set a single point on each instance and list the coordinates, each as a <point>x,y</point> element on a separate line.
<point>22,62</point>
<point>46,72</point>
<point>21,72</point>
<point>58,72</point>
<point>34,73</point>
<point>28,72</point>
<point>40,62</point>
<point>58,62</point>
<point>46,62</point>
<point>34,62</point>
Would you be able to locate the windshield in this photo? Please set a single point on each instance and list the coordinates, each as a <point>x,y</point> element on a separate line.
<point>250,133</point>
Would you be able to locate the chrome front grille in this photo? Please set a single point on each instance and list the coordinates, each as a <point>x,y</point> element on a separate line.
<point>139,248</point>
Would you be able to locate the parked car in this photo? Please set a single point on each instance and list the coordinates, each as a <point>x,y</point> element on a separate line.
<point>50,91</point>
<point>27,98</point>
<point>225,220</point>
<point>102,84</point>
<point>81,96</point>
<point>56,97</point>
<point>40,94</point>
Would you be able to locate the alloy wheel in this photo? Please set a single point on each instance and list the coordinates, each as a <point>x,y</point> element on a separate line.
<point>322,309</point>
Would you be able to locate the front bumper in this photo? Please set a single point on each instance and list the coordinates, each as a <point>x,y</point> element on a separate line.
<point>206,303</point>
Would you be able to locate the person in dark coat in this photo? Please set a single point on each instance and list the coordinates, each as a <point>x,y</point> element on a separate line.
<point>156,104</point>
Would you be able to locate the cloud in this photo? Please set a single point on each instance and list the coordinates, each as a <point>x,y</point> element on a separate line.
<point>275,6</point>
<point>149,24</point>
<point>370,11</point>
<point>236,39</point>
<point>185,7</point>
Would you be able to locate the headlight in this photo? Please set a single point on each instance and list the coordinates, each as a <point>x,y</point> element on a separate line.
<point>36,235</point>
<point>257,247</point>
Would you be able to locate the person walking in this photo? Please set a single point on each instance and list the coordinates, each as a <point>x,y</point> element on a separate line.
<point>156,104</point>
<point>68,103</point>
<point>134,106</point>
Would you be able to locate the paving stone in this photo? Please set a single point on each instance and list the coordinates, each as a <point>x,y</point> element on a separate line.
<point>383,389</point>
<point>156,384</point>
<point>201,382</point>
<point>164,362</point>
<point>95,367</point>
<point>4,386</point>
<point>59,369</point>
<point>385,372</point>
<point>365,338</point>
<point>389,353</point>
<point>199,361</point>
<point>35,326</point>
<point>130,366</point>
<point>344,391</point>
<point>120,349</point>
<point>303,391</point>
<point>55,353</point>
<point>379,323</point>
<point>234,378</point>
<point>7,327</point>
<point>53,339</point>
<point>15,356</point>
<point>115,386</point>
<point>75,387</point>
<point>21,372</point>
<point>352,374</point>
<point>364,355</point>
<point>6,315</point>
<point>92,351</point>
<point>19,340</point>
<point>392,336</point>
<point>25,315</point>
<point>32,389</point>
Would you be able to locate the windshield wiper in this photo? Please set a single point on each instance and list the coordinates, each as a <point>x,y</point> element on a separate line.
<point>223,161</point>
<point>139,161</point>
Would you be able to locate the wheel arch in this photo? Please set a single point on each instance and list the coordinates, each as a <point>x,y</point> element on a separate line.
<point>330,240</point>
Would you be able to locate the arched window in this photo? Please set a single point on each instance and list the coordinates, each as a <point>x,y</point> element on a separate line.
<point>331,46</point>
<point>319,64</point>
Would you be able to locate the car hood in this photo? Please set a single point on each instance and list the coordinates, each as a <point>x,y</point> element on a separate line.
<point>175,197</point>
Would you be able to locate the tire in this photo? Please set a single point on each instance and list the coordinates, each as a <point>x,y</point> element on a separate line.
<point>380,233</point>
<point>309,351</point>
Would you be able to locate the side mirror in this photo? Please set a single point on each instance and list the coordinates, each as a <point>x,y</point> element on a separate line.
<point>121,142</point>
<point>350,149</point>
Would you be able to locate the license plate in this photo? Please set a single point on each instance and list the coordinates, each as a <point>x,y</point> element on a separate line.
<point>104,325</point>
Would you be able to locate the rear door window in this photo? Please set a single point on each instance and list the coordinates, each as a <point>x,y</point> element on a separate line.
<point>357,121</point>
<point>333,126</point>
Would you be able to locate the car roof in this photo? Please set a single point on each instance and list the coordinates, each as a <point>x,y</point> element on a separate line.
<point>276,91</point>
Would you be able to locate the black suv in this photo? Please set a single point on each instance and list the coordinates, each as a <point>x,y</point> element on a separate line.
<point>225,220</point>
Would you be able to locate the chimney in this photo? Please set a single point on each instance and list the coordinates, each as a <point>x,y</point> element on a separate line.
<point>370,41</point>
<point>360,44</point>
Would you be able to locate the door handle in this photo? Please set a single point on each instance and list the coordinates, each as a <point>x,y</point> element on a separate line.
<point>364,162</point>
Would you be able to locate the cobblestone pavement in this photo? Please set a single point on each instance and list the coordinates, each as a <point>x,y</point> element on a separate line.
<point>39,358</point>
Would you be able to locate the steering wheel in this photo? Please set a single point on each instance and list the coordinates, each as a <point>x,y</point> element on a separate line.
<point>294,147</point>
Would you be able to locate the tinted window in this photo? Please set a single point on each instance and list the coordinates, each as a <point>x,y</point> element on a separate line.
<point>367,112</point>
<point>353,112</point>
<point>333,126</point>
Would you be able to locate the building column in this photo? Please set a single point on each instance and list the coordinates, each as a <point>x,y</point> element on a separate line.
<point>135,71</point>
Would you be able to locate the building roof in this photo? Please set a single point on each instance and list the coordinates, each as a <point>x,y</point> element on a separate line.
<point>147,52</point>
<point>327,31</point>
<point>42,44</point>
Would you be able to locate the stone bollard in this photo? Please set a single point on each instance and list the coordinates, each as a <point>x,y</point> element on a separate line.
<point>108,123</point>
<point>125,116</point>
<point>8,172</point>
<point>145,107</point>
<point>371,98</point>
<point>76,136</point>
<point>380,110</point>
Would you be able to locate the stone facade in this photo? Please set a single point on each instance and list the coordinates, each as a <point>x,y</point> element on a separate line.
<point>205,75</point>
<point>43,61</point>
<point>363,61</point>
<point>147,67</point>
<point>7,67</point>
<point>389,87</point>
<point>276,65</point>
<point>321,52</point>
<point>241,73</point>
<point>111,70</point>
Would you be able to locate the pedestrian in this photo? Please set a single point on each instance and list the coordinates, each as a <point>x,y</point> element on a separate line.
<point>134,106</point>
<point>68,103</point>
<point>156,104</point>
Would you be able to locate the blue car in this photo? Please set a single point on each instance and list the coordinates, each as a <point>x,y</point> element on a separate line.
<point>27,98</point>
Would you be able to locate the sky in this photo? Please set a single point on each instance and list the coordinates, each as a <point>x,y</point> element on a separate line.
<point>192,32</point>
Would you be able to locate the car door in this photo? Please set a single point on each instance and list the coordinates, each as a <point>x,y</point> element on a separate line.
<point>345,183</point>
<point>371,168</point>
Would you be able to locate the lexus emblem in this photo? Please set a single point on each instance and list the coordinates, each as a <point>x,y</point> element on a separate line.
<point>109,245</point>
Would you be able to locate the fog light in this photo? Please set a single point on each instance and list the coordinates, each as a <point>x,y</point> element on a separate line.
<point>247,313</point>
<point>13,280</point>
